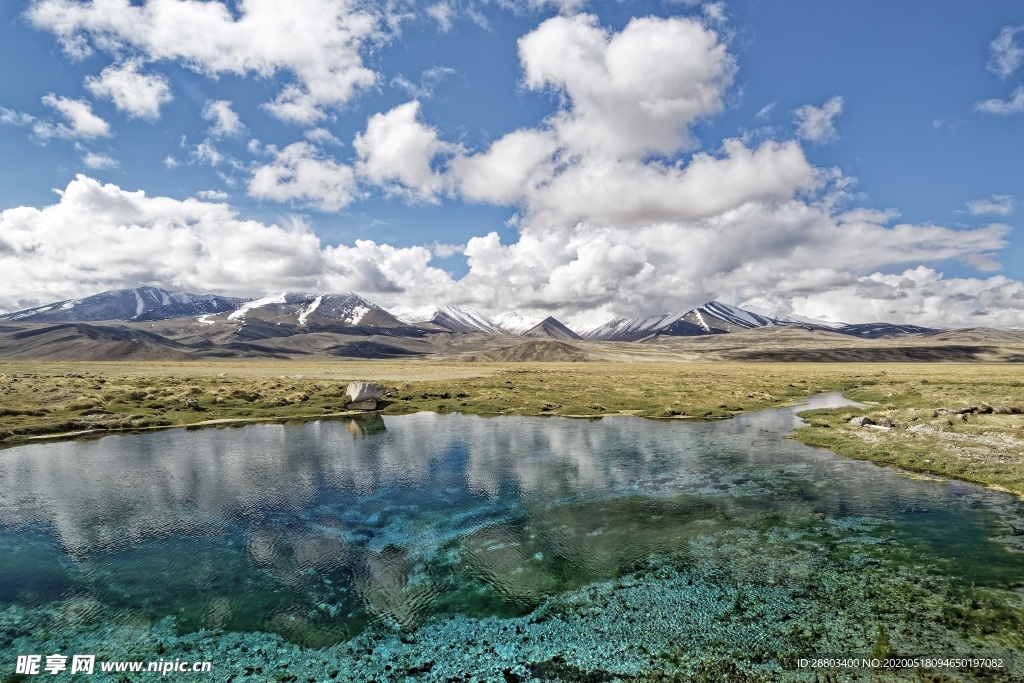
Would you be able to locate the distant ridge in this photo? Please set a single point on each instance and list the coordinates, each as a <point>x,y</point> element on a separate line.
<point>141,303</point>
<point>299,312</point>
<point>536,350</point>
<point>550,328</point>
<point>713,317</point>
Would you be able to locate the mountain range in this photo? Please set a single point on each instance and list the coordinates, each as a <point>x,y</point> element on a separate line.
<point>312,312</point>
<point>149,323</point>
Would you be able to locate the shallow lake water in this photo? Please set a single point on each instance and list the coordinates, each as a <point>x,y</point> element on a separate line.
<point>453,547</point>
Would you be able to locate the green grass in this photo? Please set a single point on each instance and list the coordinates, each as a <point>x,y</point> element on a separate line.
<point>39,398</point>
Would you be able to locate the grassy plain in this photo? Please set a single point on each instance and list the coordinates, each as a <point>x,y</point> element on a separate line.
<point>918,407</point>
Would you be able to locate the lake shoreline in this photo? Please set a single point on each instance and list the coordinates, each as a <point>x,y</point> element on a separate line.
<point>49,402</point>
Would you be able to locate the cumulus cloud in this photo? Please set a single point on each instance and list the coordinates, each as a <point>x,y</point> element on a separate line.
<point>623,220</point>
<point>80,121</point>
<point>1014,105</point>
<point>998,204</point>
<point>920,296</point>
<point>1007,54</point>
<point>816,123</point>
<point>137,94</point>
<point>512,168</point>
<point>631,93</point>
<point>223,119</point>
<point>300,173</point>
<point>396,151</point>
<point>99,237</point>
<point>605,229</point>
<point>317,41</point>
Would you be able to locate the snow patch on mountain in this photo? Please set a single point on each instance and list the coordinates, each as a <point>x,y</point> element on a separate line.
<point>631,328</point>
<point>515,322</point>
<point>239,313</point>
<point>451,318</point>
<point>791,318</point>
<point>357,315</point>
<point>312,307</point>
<point>735,315</point>
<point>414,314</point>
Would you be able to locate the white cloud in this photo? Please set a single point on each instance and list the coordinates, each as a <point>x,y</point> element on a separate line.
<point>99,237</point>
<point>301,173</point>
<point>206,153</point>
<point>563,6</point>
<point>137,94</point>
<point>1014,105</point>
<point>15,118</point>
<point>97,161</point>
<point>319,136</point>
<point>443,13</point>
<point>1007,54</point>
<point>171,162</point>
<point>920,296</point>
<point>223,119</point>
<point>765,111</point>
<point>396,151</point>
<point>630,93</point>
<point>816,123</point>
<point>511,169</point>
<point>998,204</point>
<point>611,224</point>
<point>429,80</point>
<point>715,12</point>
<point>317,41</point>
<point>81,121</point>
<point>212,195</point>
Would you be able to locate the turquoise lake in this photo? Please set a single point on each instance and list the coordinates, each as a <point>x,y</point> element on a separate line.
<point>463,548</point>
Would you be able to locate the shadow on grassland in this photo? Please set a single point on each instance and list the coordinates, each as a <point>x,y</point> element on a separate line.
<point>886,354</point>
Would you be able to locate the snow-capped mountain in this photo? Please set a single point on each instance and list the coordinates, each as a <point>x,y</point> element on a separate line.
<point>448,318</point>
<point>713,317</point>
<point>515,322</point>
<point>297,312</point>
<point>792,318</point>
<point>631,329</point>
<point>310,310</point>
<point>716,317</point>
<point>139,304</point>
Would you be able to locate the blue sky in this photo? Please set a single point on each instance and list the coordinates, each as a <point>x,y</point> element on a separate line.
<point>851,161</point>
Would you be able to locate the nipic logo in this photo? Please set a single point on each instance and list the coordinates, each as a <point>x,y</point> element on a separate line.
<point>55,664</point>
<point>33,665</point>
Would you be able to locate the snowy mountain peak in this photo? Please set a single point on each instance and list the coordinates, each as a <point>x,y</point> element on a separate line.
<point>515,322</point>
<point>314,309</point>
<point>449,318</point>
<point>138,304</point>
<point>627,329</point>
<point>734,315</point>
